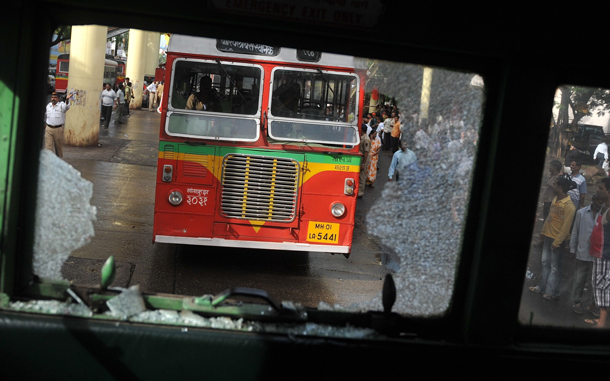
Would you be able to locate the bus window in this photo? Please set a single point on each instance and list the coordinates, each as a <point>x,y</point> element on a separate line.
<point>214,100</point>
<point>566,278</point>
<point>328,100</point>
<point>231,89</point>
<point>64,66</point>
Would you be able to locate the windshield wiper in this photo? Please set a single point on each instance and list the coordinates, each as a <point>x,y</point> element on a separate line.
<point>326,80</point>
<point>231,80</point>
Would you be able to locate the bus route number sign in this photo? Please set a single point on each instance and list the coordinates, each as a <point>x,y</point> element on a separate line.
<point>323,232</point>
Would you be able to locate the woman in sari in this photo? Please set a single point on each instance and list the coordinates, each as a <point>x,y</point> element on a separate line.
<point>371,171</point>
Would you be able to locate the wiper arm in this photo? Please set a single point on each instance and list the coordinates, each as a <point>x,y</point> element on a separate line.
<point>231,80</point>
<point>326,80</point>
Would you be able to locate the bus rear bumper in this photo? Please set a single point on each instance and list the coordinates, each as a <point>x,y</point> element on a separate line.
<point>221,242</point>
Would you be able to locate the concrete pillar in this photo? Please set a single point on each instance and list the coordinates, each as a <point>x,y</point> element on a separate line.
<point>85,79</point>
<point>136,64</point>
<point>152,52</point>
<point>425,94</point>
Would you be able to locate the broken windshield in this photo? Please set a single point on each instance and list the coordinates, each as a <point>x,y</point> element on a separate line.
<point>405,224</point>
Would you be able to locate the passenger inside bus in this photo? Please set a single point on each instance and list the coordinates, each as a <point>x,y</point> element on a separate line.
<point>206,99</point>
<point>286,101</point>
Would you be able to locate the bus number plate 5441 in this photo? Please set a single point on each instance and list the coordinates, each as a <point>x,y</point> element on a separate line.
<point>323,232</point>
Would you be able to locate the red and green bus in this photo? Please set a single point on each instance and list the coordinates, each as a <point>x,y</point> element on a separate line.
<point>258,147</point>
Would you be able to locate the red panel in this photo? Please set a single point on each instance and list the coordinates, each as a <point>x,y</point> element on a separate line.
<point>246,231</point>
<point>329,183</point>
<point>182,225</point>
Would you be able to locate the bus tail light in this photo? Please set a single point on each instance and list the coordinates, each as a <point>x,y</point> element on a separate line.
<point>337,209</point>
<point>168,172</point>
<point>349,187</point>
<point>175,197</point>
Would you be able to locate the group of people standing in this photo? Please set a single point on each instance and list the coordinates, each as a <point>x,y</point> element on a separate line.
<point>55,113</point>
<point>389,131</point>
<point>155,92</point>
<point>584,231</point>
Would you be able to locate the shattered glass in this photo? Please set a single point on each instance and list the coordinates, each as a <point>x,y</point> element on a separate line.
<point>64,217</point>
<point>419,218</point>
<point>191,319</point>
<point>53,307</point>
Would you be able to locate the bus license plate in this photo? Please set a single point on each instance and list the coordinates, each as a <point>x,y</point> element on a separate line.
<point>324,232</point>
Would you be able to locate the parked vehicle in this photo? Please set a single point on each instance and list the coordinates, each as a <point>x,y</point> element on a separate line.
<point>587,138</point>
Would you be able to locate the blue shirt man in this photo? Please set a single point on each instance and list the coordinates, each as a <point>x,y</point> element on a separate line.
<point>401,159</point>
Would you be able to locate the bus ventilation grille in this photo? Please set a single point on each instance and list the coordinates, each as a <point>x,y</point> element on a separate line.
<point>259,188</point>
<point>195,165</point>
<point>168,152</point>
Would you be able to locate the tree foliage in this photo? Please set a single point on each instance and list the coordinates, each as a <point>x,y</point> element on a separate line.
<point>576,103</point>
<point>63,33</point>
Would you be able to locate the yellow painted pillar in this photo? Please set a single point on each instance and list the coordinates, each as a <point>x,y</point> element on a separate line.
<point>136,64</point>
<point>85,80</point>
<point>425,94</point>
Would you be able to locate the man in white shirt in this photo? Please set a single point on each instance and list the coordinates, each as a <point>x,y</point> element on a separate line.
<point>108,103</point>
<point>601,153</point>
<point>120,110</point>
<point>55,118</point>
<point>152,95</point>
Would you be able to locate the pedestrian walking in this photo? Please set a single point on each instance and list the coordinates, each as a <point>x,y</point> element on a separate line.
<point>395,134</point>
<point>371,172</point>
<point>55,118</point>
<point>108,103</point>
<point>601,153</point>
<point>578,194</point>
<point>121,106</point>
<point>388,125</point>
<point>365,148</point>
<point>556,232</point>
<point>128,94</point>
<point>401,159</point>
<point>600,252</point>
<point>580,249</point>
<point>152,95</point>
<point>160,88</point>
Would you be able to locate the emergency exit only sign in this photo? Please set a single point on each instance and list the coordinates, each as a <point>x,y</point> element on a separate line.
<point>356,13</point>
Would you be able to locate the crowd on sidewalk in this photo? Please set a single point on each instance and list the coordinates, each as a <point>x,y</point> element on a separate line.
<point>110,100</point>
<point>581,230</point>
<point>413,144</point>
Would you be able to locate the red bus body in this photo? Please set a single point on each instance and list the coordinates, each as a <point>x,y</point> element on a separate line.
<point>62,71</point>
<point>121,70</point>
<point>263,188</point>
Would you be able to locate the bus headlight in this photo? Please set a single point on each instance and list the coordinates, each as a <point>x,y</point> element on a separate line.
<point>349,187</point>
<point>337,209</point>
<point>175,197</point>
